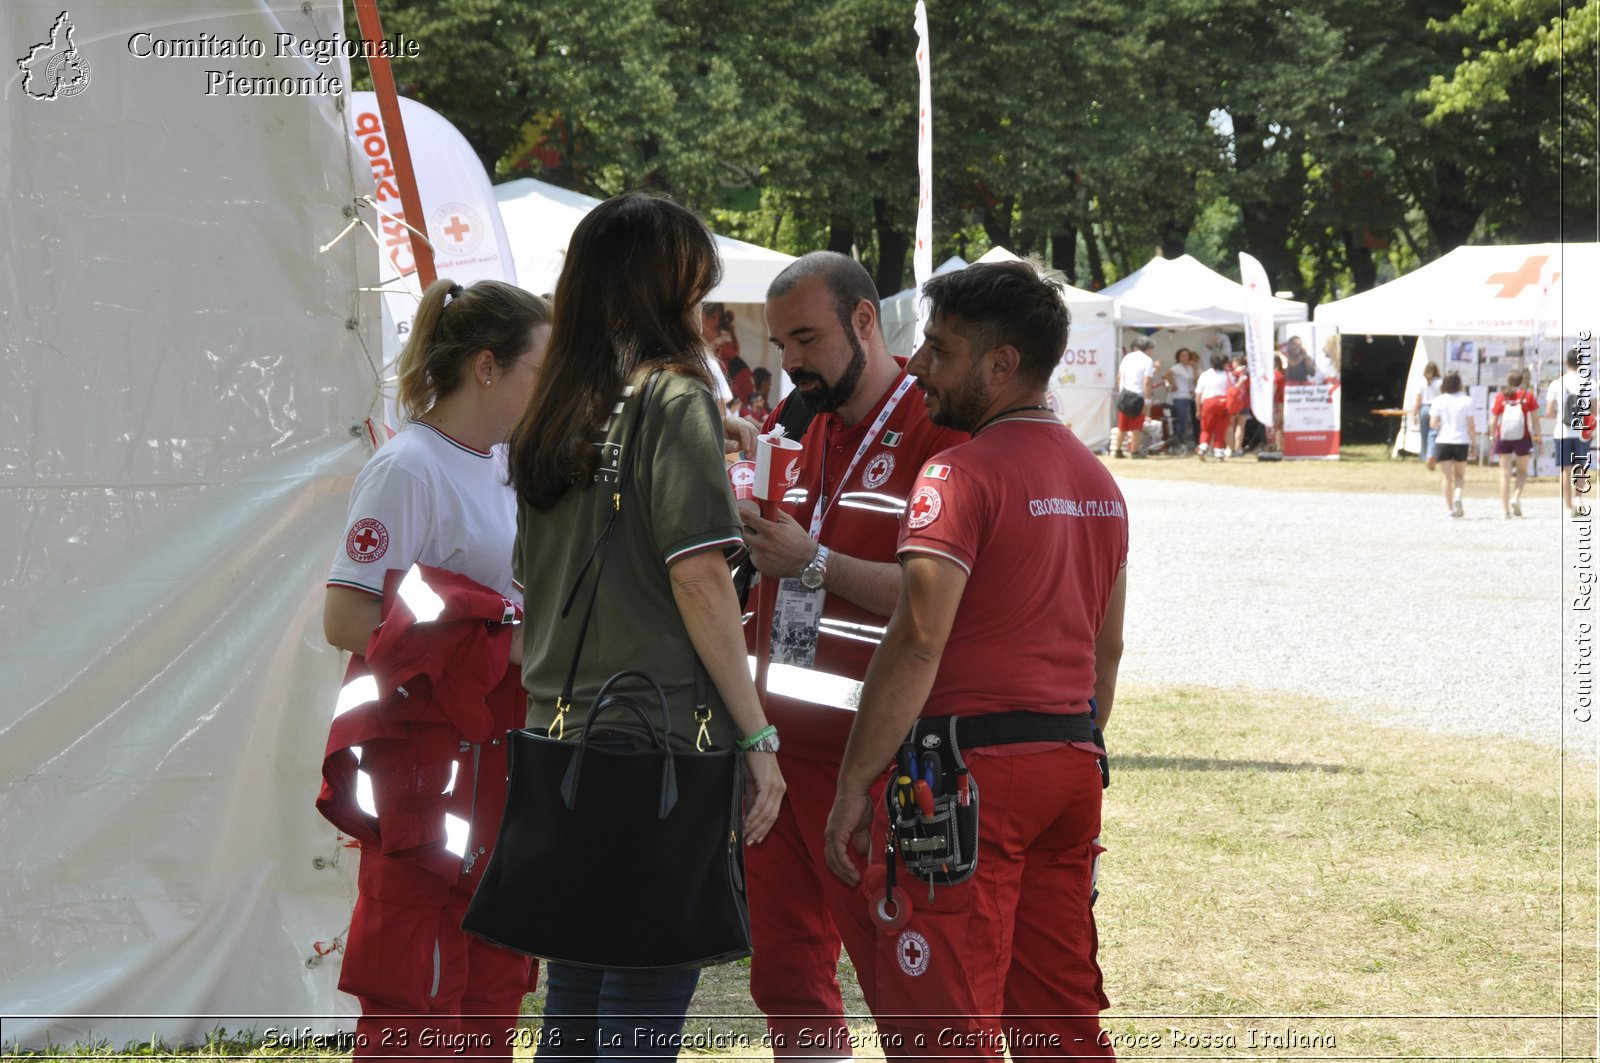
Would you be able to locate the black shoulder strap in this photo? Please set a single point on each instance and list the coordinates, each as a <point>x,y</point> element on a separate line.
<point>597,556</point>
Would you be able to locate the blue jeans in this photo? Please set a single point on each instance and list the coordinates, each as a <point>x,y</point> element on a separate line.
<point>1183,423</point>
<point>1427,435</point>
<point>594,1014</point>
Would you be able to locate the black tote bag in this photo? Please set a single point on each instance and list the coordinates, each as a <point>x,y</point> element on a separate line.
<point>610,857</point>
<point>616,858</point>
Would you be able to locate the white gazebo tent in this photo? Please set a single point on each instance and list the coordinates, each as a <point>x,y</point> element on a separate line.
<point>1084,381</point>
<point>1502,291</point>
<point>539,219</point>
<point>1530,295</point>
<point>1179,292</point>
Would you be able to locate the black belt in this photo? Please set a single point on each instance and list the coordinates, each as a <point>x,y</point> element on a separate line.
<point>1008,728</point>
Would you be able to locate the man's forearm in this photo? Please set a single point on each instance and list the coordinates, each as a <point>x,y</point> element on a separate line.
<point>872,585</point>
<point>1105,690</point>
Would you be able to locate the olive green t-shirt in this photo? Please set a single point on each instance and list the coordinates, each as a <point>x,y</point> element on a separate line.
<point>677,502</point>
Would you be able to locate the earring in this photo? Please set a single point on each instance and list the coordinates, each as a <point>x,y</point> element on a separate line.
<point>487,381</point>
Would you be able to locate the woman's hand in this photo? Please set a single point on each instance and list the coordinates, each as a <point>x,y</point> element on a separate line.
<point>763,794</point>
<point>739,433</point>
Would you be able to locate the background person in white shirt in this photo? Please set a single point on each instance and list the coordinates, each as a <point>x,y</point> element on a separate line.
<point>1211,391</point>
<point>1453,438</point>
<point>1573,426</point>
<point>1136,374</point>
<point>1423,408</point>
<point>1180,378</point>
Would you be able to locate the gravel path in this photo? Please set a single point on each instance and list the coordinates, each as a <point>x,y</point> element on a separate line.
<point>1380,604</point>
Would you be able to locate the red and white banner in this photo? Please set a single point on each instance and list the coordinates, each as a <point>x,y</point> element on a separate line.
<point>1258,337</point>
<point>462,216</point>
<point>922,251</point>
<point>1311,421</point>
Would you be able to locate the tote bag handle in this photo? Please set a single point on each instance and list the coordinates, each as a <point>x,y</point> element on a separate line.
<point>606,700</point>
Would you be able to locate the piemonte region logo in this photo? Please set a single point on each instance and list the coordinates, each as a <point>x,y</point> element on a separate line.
<point>55,68</point>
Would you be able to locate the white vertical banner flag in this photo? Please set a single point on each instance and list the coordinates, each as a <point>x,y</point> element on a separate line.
<point>463,217</point>
<point>922,252</point>
<point>1258,337</point>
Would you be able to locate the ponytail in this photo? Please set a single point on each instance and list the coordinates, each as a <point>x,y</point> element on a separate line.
<point>451,326</point>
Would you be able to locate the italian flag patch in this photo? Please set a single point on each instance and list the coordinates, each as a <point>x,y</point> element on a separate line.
<point>936,472</point>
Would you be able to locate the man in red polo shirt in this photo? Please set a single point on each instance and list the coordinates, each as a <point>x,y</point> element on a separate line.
<point>1009,621</point>
<point>828,566</point>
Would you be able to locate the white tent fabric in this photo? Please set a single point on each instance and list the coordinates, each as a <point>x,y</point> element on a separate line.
<point>177,451</point>
<point>539,219</point>
<point>1505,290</point>
<point>1181,291</point>
<point>1083,383</point>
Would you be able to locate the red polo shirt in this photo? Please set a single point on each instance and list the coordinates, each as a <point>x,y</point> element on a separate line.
<point>1042,531</point>
<point>862,520</point>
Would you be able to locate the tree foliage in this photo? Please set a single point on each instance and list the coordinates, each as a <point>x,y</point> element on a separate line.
<point>1331,140</point>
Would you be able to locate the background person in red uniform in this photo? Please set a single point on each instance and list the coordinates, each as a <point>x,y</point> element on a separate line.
<point>828,564</point>
<point>1013,584</point>
<point>1520,410</point>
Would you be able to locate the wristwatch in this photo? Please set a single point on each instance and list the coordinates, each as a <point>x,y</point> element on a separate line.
<point>812,575</point>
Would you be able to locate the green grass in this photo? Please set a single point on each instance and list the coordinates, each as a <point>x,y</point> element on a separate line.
<point>1276,865</point>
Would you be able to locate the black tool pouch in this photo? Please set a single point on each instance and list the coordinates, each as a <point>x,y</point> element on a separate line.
<point>941,849</point>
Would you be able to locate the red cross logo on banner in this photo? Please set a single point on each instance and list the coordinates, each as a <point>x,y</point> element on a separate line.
<point>367,541</point>
<point>924,508</point>
<point>462,226</point>
<point>1511,284</point>
<point>912,952</point>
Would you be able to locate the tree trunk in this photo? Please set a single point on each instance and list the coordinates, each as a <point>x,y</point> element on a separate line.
<point>1451,213</point>
<point>1265,206</point>
<point>1174,235</point>
<point>893,244</point>
<point>1097,268</point>
<point>1363,270</point>
<point>1064,251</point>
<point>841,234</point>
<point>997,223</point>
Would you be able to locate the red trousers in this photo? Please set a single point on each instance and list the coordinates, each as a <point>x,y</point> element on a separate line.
<point>797,911</point>
<point>1007,958</point>
<point>1214,421</point>
<point>426,988</point>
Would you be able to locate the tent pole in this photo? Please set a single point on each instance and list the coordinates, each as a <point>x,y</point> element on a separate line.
<point>399,151</point>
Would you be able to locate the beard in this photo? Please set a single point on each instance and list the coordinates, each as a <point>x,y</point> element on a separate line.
<point>962,407</point>
<point>829,397</point>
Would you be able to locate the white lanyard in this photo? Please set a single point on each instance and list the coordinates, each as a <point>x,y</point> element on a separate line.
<point>825,503</point>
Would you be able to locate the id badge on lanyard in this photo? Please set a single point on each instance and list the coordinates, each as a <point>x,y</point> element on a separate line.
<point>795,621</point>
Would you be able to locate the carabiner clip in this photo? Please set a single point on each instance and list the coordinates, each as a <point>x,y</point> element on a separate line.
<point>558,726</point>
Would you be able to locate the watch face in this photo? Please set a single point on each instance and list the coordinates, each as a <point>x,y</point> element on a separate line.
<point>810,577</point>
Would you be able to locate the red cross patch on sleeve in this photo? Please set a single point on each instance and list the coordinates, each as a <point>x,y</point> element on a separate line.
<point>923,508</point>
<point>367,541</point>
